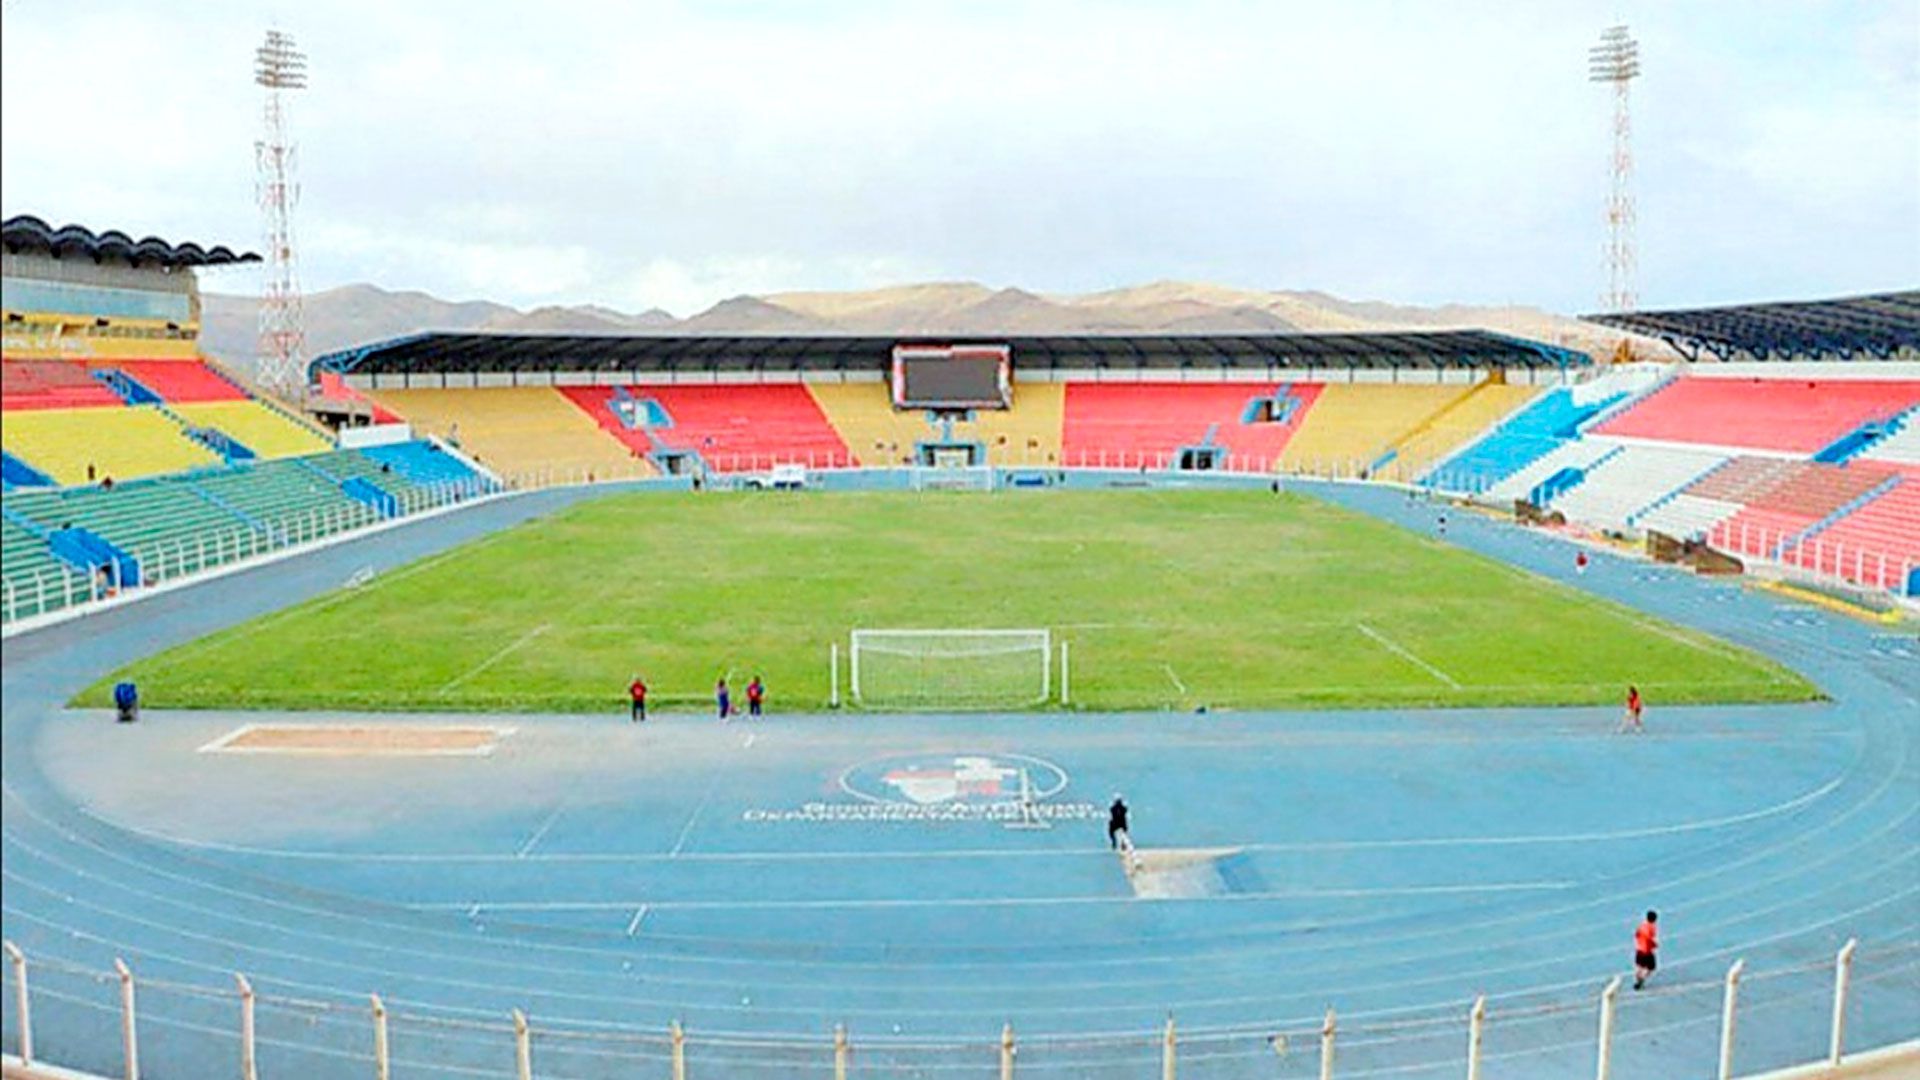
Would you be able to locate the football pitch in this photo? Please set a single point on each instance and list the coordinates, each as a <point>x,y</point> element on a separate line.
<point>1168,599</point>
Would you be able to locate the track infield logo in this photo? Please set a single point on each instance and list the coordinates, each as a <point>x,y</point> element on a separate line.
<point>941,788</point>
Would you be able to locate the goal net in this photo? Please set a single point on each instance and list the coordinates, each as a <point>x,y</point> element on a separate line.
<point>956,669</point>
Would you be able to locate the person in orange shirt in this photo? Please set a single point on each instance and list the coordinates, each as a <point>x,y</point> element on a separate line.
<point>1632,722</point>
<point>1646,942</point>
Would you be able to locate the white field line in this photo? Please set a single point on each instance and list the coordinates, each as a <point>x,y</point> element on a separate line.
<point>639,916</point>
<point>1177,684</point>
<point>495,658</point>
<point>1391,646</point>
<point>540,833</point>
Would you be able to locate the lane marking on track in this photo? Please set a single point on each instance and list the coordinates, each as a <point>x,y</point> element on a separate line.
<point>1394,647</point>
<point>638,916</point>
<point>748,742</point>
<point>687,829</point>
<point>540,833</point>
<point>1177,684</point>
<point>1017,901</point>
<point>483,665</point>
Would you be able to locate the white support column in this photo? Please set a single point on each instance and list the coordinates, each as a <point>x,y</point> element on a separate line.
<point>1006,1052</point>
<point>1327,1030</point>
<point>249,1068</point>
<point>382,1062</point>
<point>129,1025</point>
<point>677,1038</point>
<point>522,1046</point>
<point>1169,1045</point>
<point>1727,1010</point>
<point>1064,670</point>
<point>1476,1032</point>
<point>1605,1067</point>
<point>840,1052</point>
<point>1842,976</point>
<point>833,674</point>
<point>21,1001</point>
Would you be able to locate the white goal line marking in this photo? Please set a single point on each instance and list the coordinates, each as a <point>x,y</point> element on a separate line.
<point>1177,684</point>
<point>1390,645</point>
<point>495,658</point>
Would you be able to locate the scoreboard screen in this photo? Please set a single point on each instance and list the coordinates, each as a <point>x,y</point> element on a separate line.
<point>952,376</point>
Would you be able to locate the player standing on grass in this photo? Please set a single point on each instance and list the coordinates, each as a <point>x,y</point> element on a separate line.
<point>755,692</point>
<point>1646,942</point>
<point>637,694</point>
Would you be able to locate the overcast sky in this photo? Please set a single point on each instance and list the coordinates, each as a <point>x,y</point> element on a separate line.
<point>636,155</point>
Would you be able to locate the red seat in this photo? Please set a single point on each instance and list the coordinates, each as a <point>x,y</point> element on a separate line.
<point>51,384</point>
<point>182,380</point>
<point>731,427</point>
<point>1130,421</point>
<point>1773,414</point>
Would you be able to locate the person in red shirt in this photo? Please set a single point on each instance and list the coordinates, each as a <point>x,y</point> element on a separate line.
<point>755,694</point>
<point>1632,722</point>
<point>637,693</point>
<point>1580,564</point>
<point>1646,942</point>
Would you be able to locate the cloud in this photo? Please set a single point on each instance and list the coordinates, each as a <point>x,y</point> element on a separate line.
<point>674,154</point>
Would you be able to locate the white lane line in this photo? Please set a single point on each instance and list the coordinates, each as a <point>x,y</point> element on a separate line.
<point>1640,833</point>
<point>495,658</point>
<point>1177,684</point>
<point>748,743</point>
<point>539,833</point>
<point>473,912</point>
<point>1391,646</point>
<point>687,829</point>
<point>1018,901</point>
<point>638,915</point>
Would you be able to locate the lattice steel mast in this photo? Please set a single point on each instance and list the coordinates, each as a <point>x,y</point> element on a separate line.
<point>279,68</point>
<point>1616,60</point>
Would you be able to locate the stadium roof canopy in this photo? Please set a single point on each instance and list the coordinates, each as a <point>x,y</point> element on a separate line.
<point>26,233</point>
<point>663,353</point>
<point>1855,328</point>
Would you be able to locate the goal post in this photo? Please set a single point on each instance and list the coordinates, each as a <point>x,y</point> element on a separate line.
<point>949,669</point>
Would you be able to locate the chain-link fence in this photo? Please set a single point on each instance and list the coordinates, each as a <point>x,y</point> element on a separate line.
<point>113,1022</point>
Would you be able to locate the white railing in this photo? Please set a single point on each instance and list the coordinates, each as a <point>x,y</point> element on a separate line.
<point>1817,556</point>
<point>1821,994</point>
<point>48,589</point>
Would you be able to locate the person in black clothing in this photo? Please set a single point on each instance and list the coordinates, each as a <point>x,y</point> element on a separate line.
<point>1116,821</point>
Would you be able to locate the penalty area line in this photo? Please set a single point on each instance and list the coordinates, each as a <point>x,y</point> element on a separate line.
<point>1395,648</point>
<point>483,665</point>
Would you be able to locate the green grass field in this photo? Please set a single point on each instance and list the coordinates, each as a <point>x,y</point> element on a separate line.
<point>1170,599</point>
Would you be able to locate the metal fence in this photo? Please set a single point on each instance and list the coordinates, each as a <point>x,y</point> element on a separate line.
<point>1817,556</point>
<point>46,590</point>
<point>104,1020</point>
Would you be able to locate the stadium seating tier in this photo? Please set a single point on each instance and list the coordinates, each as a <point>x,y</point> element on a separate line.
<point>1128,420</point>
<point>1792,415</point>
<point>519,430</point>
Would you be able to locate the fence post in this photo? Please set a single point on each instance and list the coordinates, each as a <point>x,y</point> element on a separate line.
<point>1326,1046</point>
<point>129,1029</point>
<point>248,1069</point>
<point>1727,1010</point>
<point>1842,975</point>
<point>1168,1044</point>
<point>1607,995</point>
<point>18,960</point>
<point>1476,1030</point>
<point>839,1052</point>
<point>522,1047</point>
<point>677,1037</point>
<point>1006,1051</point>
<point>382,1066</point>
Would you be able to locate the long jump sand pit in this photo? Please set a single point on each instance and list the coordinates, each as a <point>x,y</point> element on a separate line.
<point>406,740</point>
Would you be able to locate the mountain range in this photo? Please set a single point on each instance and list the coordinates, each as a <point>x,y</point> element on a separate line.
<point>357,314</point>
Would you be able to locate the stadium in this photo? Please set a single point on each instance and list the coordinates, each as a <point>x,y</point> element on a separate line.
<point>1219,704</point>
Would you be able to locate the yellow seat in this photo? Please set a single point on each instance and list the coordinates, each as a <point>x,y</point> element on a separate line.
<point>122,443</point>
<point>518,431</point>
<point>269,434</point>
<point>880,435</point>
<point>1352,424</point>
<point>1452,427</point>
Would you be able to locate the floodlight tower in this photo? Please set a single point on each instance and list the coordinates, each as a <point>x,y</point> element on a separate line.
<point>1616,60</point>
<point>279,68</point>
